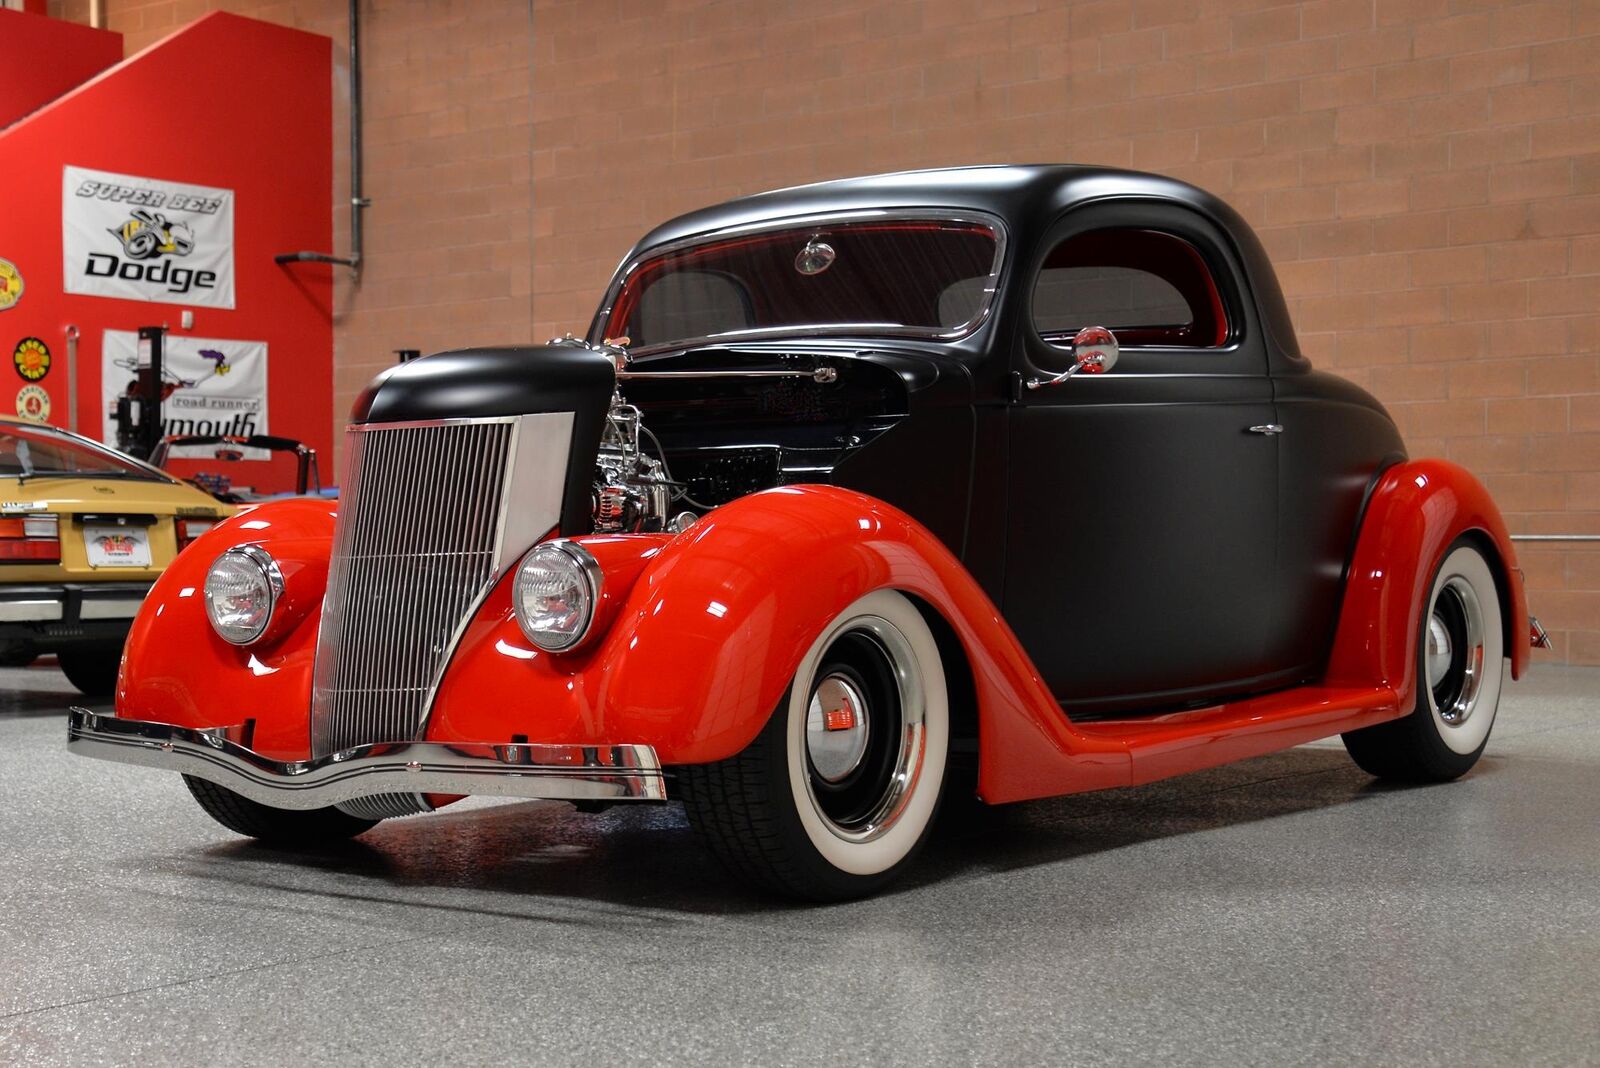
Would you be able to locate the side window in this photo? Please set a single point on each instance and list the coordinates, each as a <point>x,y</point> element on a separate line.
<point>1149,287</point>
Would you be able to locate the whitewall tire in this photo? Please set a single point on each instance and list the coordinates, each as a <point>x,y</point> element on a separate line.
<point>1460,672</point>
<point>836,795</point>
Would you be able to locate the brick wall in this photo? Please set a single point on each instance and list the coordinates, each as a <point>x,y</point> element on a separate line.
<point>1425,173</point>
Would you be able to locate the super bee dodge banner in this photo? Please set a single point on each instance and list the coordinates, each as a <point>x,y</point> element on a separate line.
<point>147,239</point>
<point>212,387</point>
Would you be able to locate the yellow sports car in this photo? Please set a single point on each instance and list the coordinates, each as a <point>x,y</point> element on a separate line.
<point>84,531</point>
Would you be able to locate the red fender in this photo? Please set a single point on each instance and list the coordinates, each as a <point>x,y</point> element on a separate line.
<point>175,669</point>
<point>699,634</point>
<point>1416,512</point>
<point>707,638</point>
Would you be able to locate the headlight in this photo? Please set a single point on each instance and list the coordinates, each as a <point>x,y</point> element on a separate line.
<point>242,588</point>
<point>558,584</point>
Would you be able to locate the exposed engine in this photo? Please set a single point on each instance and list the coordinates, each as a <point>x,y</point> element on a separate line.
<point>633,493</point>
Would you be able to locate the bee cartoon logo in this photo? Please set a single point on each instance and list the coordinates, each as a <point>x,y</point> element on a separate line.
<point>148,234</point>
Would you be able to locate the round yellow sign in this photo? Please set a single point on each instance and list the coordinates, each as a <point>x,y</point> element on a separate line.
<point>31,358</point>
<point>10,284</point>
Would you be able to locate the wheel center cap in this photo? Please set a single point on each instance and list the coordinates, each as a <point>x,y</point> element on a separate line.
<point>837,728</point>
<point>1440,650</point>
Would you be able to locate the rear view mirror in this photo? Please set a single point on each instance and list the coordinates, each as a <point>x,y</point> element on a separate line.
<point>1094,352</point>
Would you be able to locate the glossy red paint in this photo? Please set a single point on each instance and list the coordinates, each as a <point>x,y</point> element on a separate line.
<point>705,642</point>
<point>697,637</point>
<point>176,669</point>
<point>1416,512</point>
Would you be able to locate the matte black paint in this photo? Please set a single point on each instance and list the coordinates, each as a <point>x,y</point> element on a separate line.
<point>1336,438</point>
<point>1148,550</point>
<point>898,423</point>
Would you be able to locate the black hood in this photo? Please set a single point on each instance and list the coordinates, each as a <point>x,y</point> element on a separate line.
<point>490,382</point>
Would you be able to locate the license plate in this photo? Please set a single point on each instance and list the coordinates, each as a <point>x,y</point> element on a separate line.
<point>117,546</point>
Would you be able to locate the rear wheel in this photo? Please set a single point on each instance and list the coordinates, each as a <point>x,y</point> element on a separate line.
<point>92,668</point>
<point>277,826</point>
<point>836,794</point>
<point>1460,670</point>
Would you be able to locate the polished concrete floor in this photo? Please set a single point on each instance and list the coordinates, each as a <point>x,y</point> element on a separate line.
<point>1281,911</point>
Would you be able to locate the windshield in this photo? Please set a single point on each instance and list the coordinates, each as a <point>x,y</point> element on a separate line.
<point>38,453</point>
<point>919,277</point>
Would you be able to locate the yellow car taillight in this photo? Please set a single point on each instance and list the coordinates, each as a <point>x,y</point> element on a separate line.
<point>190,529</point>
<point>30,539</point>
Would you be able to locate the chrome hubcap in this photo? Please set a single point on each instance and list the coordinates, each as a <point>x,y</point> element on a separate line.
<point>1454,651</point>
<point>864,729</point>
<point>838,728</point>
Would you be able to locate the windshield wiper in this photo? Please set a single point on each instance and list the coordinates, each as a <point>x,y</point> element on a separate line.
<point>131,476</point>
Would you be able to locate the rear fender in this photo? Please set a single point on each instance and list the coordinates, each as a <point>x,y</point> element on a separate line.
<point>1418,510</point>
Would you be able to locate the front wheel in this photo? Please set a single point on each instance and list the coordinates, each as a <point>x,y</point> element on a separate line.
<point>1460,669</point>
<point>837,793</point>
<point>276,826</point>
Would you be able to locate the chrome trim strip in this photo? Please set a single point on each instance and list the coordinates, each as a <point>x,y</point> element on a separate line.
<point>822,375</point>
<point>107,608</point>
<point>800,222</point>
<point>556,772</point>
<point>31,611</point>
<point>414,424</point>
<point>1555,537</point>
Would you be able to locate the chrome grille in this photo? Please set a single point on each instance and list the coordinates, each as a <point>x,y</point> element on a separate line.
<point>417,542</point>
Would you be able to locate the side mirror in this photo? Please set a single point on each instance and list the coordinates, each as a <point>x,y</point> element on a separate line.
<point>1094,352</point>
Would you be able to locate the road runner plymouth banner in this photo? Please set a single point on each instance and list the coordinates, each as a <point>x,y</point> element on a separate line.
<point>145,239</point>
<point>212,387</point>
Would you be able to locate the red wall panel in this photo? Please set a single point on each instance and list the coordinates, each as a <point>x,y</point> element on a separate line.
<point>227,102</point>
<point>44,57</point>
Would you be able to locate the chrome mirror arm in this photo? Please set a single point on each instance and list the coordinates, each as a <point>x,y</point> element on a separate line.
<point>1094,352</point>
<point>1053,380</point>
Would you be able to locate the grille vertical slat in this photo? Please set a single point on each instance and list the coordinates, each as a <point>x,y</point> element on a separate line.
<point>414,549</point>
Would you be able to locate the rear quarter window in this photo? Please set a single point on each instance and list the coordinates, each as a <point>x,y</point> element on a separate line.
<point>1150,288</point>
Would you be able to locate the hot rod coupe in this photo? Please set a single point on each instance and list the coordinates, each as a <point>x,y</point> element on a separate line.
<point>851,490</point>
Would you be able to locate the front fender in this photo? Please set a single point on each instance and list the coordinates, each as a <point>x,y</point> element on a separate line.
<point>709,634</point>
<point>175,669</point>
<point>1415,513</point>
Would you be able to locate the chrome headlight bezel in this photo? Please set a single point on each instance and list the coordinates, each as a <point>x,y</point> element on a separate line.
<point>272,580</point>
<point>586,579</point>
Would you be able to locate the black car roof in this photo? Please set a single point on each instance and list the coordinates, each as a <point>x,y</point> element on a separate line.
<point>1026,197</point>
<point>1021,195</point>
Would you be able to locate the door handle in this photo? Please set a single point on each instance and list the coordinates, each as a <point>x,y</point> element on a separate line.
<point>1267,428</point>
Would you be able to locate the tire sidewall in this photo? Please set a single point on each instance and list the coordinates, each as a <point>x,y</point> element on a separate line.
<point>859,866</point>
<point>1454,749</point>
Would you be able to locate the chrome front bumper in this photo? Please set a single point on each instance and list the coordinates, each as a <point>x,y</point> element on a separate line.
<point>559,772</point>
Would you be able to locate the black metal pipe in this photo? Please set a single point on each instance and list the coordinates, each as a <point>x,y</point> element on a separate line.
<point>312,257</point>
<point>357,201</point>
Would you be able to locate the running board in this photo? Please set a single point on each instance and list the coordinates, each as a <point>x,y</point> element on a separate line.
<point>1162,746</point>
